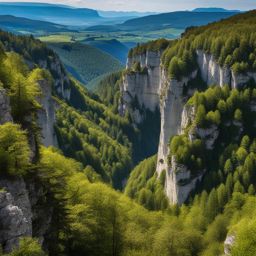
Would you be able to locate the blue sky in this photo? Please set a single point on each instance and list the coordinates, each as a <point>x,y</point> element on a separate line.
<point>153,5</point>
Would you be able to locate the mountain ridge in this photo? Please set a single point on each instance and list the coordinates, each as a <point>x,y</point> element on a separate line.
<point>16,24</point>
<point>213,9</point>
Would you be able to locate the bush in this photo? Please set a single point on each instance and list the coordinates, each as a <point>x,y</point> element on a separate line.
<point>14,150</point>
<point>28,247</point>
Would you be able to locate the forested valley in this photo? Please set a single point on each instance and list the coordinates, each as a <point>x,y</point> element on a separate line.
<point>96,190</point>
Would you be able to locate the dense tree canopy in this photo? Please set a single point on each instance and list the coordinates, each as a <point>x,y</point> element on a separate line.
<point>144,186</point>
<point>91,218</point>
<point>231,42</point>
<point>14,150</point>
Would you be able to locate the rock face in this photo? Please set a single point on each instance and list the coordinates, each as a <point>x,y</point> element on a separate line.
<point>153,89</point>
<point>22,212</point>
<point>15,213</point>
<point>46,115</point>
<point>171,106</point>
<point>144,86</point>
<point>42,211</point>
<point>61,80</point>
<point>229,241</point>
<point>5,109</point>
<point>180,182</point>
<point>213,74</point>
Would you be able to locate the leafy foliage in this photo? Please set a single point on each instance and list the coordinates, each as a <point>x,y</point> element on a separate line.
<point>144,186</point>
<point>87,142</point>
<point>28,246</point>
<point>14,150</point>
<point>108,90</point>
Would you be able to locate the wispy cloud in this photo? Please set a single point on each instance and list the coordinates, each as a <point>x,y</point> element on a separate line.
<point>152,5</point>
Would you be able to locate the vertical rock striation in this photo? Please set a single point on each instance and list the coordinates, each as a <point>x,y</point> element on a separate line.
<point>46,115</point>
<point>15,213</point>
<point>5,109</point>
<point>171,106</point>
<point>141,86</point>
<point>61,80</point>
<point>213,74</point>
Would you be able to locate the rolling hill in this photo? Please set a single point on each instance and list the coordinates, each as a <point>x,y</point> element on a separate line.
<point>85,62</point>
<point>113,47</point>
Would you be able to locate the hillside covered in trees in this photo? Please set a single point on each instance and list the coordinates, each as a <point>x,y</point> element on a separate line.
<point>231,42</point>
<point>84,198</point>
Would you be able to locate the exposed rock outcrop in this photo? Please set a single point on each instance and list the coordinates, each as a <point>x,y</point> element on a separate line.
<point>46,115</point>
<point>208,135</point>
<point>15,212</point>
<point>144,86</point>
<point>24,211</point>
<point>229,241</point>
<point>5,109</point>
<point>61,80</point>
<point>180,182</point>
<point>42,211</point>
<point>213,74</point>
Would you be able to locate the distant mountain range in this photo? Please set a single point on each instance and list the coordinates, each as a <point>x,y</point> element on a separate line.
<point>17,24</point>
<point>214,9</point>
<point>178,20</point>
<point>115,14</point>
<point>66,15</point>
<point>59,14</point>
<point>82,17</point>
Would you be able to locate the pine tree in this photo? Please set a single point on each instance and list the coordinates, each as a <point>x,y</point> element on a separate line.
<point>14,149</point>
<point>251,190</point>
<point>238,187</point>
<point>222,196</point>
<point>212,205</point>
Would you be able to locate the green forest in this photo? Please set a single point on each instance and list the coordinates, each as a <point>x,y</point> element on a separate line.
<point>100,184</point>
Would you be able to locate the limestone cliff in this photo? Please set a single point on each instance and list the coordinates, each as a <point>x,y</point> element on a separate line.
<point>61,80</point>
<point>154,89</point>
<point>46,115</point>
<point>144,86</point>
<point>15,212</point>
<point>213,74</point>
